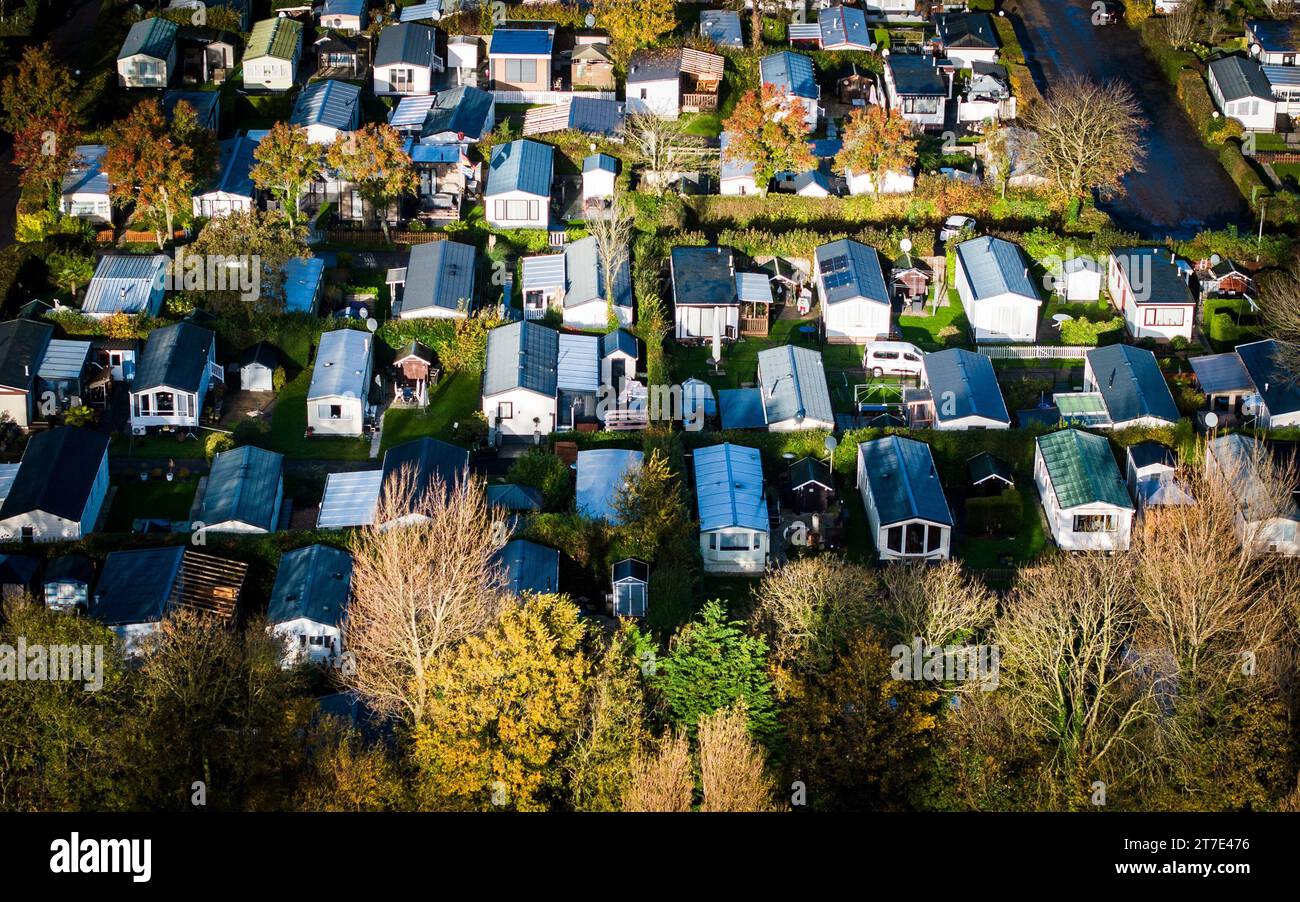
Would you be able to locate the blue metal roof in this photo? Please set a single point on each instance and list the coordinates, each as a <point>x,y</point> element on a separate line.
<point>64,360</point>
<point>1131,384</point>
<point>844,26</point>
<point>1221,373</point>
<point>349,499</point>
<point>124,283</point>
<point>417,11</point>
<point>342,361</point>
<point>512,497</point>
<point>793,382</point>
<point>425,461</point>
<point>244,485</point>
<point>406,43</point>
<point>302,277</point>
<point>522,165</point>
<point>174,356</point>
<point>84,175</point>
<point>903,480</point>
<point>994,267</point>
<point>577,365</point>
<point>311,583</point>
<point>584,275</point>
<point>439,274</point>
<point>602,477</point>
<point>729,487</point>
<point>850,270</point>
<point>1275,383</point>
<point>331,103</point>
<point>620,341</point>
<point>791,72</point>
<point>733,167</point>
<point>342,8</point>
<point>722,27</point>
<point>742,408</point>
<point>463,109</point>
<point>968,381</point>
<point>521,355</point>
<point>529,567</point>
<point>601,161</point>
<point>1274,35</point>
<point>521,42</point>
<point>236,163</point>
<point>135,586</point>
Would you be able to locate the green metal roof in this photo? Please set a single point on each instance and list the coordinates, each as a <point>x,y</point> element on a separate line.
<point>151,37</point>
<point>1082,469</point>
<point>279,37</point>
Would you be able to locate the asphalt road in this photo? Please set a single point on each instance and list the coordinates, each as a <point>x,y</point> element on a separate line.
<point>1184,188</point>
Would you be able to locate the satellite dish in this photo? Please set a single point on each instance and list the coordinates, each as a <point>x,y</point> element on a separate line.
<point>1211,419</point>
<point>590,20</point>
<point>362,313</point>
<point>1254,50</point>
<point>906,245</point>
<point>1215,259</point>
<point>874,47</point>
<point>885,52</point>
<point>830,444</point>
<point>372,324</point>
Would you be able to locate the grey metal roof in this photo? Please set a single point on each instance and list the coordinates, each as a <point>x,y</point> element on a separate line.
<point>331,103</point>
<point>1281,77</point>
<point>432,9</point>
<point>342,360</point>
<point>64,359</point>
<point>1276,384</point>
<point>754,287</point>
<point>904,481</point>
<point>844,26</point>
<point>1131,384</point>
<point>703,276</point>
<point>1239,77</point>
<point>722,26</point>
<point>791,72</point>
<point>1238,455</point>
<point>602,476</point>
<point>150,37</point>
<point>424,461</point>
<point>577,364</point>
<point>529,567</point>
<point>594,116</point>
<point>1154,275</point>
<point>521,355</point>
<point>244,486</point>
<point>793,382</point>
<point>439,274</point>
<point>1221,373</point>
<point>123,283</point>
<point>1149,453</point>
<point>204,103</point>
<point>729,488</point>
<point>585,275</point>
<point>23,343</point>
<point>311,583</point>
<point>84,175</point>
<point>521,165</point>
<point>732,167</point>
<point>57,473</point>
<point>407,43</point>
<point>411,111</point>
<point>175,356</point>
<point>995,266</point>
<point>916,76</point>
<point>135,586</point>
<point>512,497</point>
<point>850,270</point>
<point>973,30</point>
<point>969,382</point>
<point>544,272</point>
<point>463,109</point>
<point>349,499</point>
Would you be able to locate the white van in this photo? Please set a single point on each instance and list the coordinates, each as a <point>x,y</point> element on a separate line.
<point>892,358</point>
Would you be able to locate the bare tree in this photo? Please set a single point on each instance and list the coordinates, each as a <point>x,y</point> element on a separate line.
<point>658,145</point>
<point>612,229</point>
<point>1279,305</point>
<point>733,772</point>
<point>939,603</point>
<point>809,606</point>
<point>1185,24</point>
<point>423,579</point>
<point>662,780</point>
<point>1089,136</point>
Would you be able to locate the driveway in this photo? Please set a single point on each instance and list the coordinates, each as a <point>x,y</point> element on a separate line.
<point>1184,188</point>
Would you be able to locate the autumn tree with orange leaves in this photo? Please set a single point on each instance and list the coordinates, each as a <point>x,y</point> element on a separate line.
<point>767,130</point>
<point>877,142</point>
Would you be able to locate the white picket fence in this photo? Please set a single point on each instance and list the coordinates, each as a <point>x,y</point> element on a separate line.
<point>1034,352</point>
<point>549,97</point>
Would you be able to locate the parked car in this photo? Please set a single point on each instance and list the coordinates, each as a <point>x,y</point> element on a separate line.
<point>955,226</point>
<point>892,358</point>
<point>1111,13</point>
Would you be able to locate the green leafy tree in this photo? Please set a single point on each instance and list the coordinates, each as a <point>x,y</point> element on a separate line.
<point>633,24</point>
<point>69,269</point>
<point>876,142</point>
<point>651,510</point>
<point>38,85</point>
<point>286,163</point>
<point>267,239</point>
<point>542,470</point>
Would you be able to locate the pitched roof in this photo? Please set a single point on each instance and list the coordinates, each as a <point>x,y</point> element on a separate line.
<point>850,270</point>
<point>70,568</point>
<point>904,482</point>
<point>439,274</point>
<point>602,476</point>
<point>123,283</point>
<point>729,488</point>
<point>1239,77</point>
<point>995,266</point>
<point>349,499</point>
<point>432,9</point>
<point>1238,456</point>
<point>204,103</point>
<point>64,359</point>
<point>620,341</point>
<point>175,356</point>
<point>1221,373</point>
<point>703,275</point>
<point>1153,275</point>
<point>591,115</point>
<point>808,470</point>
<point>522,354</point>
<point>1277,385</point>
<point>793,382</point>
<point>342,361</point>
<point>722,26</point>
<point>234,174</point>
<point>311,583</point>
<point>844,26</point>
<point>342,8</point>
<point>136,586</point>
<point>261,354</point>
<point>916,76</point>
<point>1131,384</point>
<point>512,497</point>
<point>984,466</point>
<point>964,384</point>
<point>425,460</point>
<point>1082,470</point>
<point>278,37</point>
<point>408,43</point>
<point>600,161</point>
<point>85,175</point>
<point>244,487</point>
<point>150,37</point>
<point>732,167</point>
<point>584,275</point>
<point>328,102</point>
<point>23,343</point>
<point>57,473</point>
<point>630,568</point>
<point>521,42</point>
<point>529,567</point>
<point>791,72</point>
<point>522,165</point>
<point>973,30</point>
<point>1149,453</point>
<point>463,109</point>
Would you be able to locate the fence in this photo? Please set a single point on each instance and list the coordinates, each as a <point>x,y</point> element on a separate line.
<point>549,97</point>
<point>1035,352</point>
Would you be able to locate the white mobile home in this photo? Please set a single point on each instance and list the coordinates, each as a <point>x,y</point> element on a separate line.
<point>338,400</point>
<point>993,283</point>
<point>309,604</point>
<point>906,508</point>
<point>273,52</point>
<point>172,378</point>
<point>1083,493</point>
<point>855,300</point>
<point>518,192</point>
<point>734,530</point>
<point>148,55</point>
<point>58,490</point>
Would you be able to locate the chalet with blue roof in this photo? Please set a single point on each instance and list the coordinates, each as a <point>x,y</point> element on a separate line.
<point>1149,286</point>
<point>327,109</point>
<point>243,493</point>
<point>57,492</point>
<point>1131,386</point>
<point>959,390</point>
<point>735,534</point>
<point>85,193</point>
<point>906,508</point>
<point>528,568</point>
<point>520,58</point>
<point>518,194</point>
<point>438,281</point>
<point>172,378</point>
<point>855,300</point>
<point>996,290</point>
<point>347,16</point>
<point>794,78</point>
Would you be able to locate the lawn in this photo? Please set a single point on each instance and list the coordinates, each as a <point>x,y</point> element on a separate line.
<point>980,553</point>
<point>155,499</point>
<point>289,428</point>
<point>740,358</point>
<point>454,400</point>
<point>708,125</point>
<point>926,332</point>
<point>161,446</point>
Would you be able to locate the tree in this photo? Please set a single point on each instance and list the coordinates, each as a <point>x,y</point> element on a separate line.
<point>1002,147</point>
<point>264,241</point>
<point>1184,25</point>
<point>38,85</point>
<point>658,145</point>
<point>612,731</point>
<point>733,770</point>
<point>375,159</point>
<point>711,663</point>
<point>876,142</point>
<point>542,470</point>
<point>768,131</point>
<point>502,710</point>
<point>939,603</point>
<point>1089,136</point>
<point>613,230</point>
<point>69,269</point>
<point>651,510</point>
<point>286,163</point>
<point>633,24</point>
<point>808,608</point>
<point>662,779</point>
<point>44,151</point>
<point>346,774</point>
<point>419,589</point>
<point>1279,307</point>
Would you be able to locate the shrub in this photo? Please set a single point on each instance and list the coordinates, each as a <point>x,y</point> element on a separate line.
<point>216,442</point>
<point>80,416</point>
<point>544,471</point>
<point>278,379</point>
<point>1080,331</point>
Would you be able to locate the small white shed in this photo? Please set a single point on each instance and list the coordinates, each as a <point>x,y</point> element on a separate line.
<point>257,368</point>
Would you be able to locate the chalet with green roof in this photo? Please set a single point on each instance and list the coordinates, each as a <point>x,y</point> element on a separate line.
<point>148,55</point>
<point>271,58</point>
<point>1083,492</point>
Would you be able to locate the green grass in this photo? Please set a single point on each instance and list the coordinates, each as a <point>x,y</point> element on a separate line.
<point>985,553</point>
<point>740,358</point>
<point>160,446</point>
<point>708,125</point>
<point>454,400</point>
<point>156,499</point>
<point>924,331</point>
<point>289,428</point>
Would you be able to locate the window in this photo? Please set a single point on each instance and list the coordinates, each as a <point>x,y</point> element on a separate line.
<point>915,538</point>
<point>921,106</point>
<point>645,94</point>
<point>505,410</point>
<point>1163,316</point>
<point>142,402</point>
<point>934,539</point>
<point>894,539</point>
<point>1096,523</point>
<point>521,72</point>
<point>165,402</point>
<point>736,541</point>
<point>713,541</point>
<point>517,210</point>
<point>336,411</point>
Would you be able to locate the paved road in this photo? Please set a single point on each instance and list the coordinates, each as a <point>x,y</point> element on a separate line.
<point>1184,188</point>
